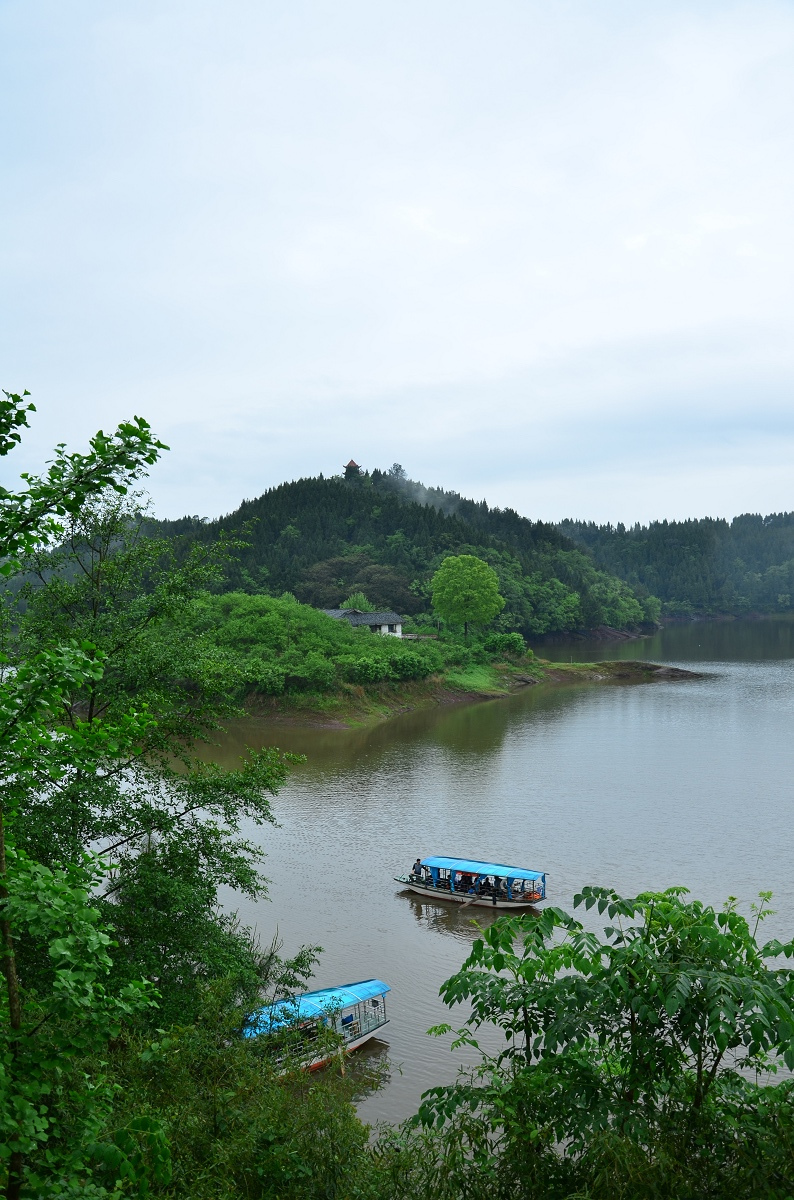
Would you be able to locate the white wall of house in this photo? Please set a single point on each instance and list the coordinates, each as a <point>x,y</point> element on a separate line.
<point>390,630</point>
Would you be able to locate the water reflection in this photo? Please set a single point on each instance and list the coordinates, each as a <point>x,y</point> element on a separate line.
<point>632,787</point>
<point>371,1069</point>
<point>749,639</point>
<point>448,919</point>
<point>476,731</point>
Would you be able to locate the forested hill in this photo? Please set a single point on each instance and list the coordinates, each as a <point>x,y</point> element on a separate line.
<point>707,566</point>
<point>323,539</point>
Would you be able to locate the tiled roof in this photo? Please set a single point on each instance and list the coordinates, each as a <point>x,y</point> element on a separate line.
<point>356,617</point>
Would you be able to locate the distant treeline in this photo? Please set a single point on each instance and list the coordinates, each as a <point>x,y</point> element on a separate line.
<point>384,535</point>
<point>705,566</point>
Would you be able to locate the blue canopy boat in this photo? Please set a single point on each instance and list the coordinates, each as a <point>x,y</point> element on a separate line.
<point>483,884</point>
<point>353,1010</point>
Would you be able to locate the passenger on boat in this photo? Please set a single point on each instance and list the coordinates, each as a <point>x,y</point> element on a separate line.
<point>416,869</point>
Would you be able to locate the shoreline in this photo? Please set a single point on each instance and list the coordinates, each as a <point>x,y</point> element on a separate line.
<point>356,706</point>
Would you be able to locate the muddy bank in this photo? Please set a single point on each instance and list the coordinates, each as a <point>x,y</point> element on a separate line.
<point>627,671</point>
<point>356,705</point>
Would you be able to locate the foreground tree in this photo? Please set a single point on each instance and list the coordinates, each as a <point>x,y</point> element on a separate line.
<point>635,1065</point>
<point>171,821</point>
<point>466,591</point>
<point>50,1106</point>
<point>102,695</point>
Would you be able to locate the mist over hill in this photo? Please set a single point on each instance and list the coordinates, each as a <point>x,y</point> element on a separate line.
<point>385,535</point>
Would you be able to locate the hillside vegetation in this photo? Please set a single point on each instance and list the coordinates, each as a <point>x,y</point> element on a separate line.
<point>279,645</point>
<point>383,535</point>
<point>700,567</point>
<point>295,659</point>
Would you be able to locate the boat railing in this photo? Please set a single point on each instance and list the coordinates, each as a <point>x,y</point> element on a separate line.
<point>532,890</point>
<point>363,1019</point>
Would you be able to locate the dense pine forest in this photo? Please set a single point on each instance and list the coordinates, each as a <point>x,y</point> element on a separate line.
<point>702,567</point>
<point>382,534</point>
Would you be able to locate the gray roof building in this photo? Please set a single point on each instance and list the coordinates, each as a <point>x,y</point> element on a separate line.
<point>356,617</point>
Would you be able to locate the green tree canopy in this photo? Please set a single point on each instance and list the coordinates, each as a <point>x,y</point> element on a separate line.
<point>633,1064</point>
<point>466,591</point>
<point>111,855</point>
<point>50,1105</point>
<point>173,828</point>
<point>358,600</point>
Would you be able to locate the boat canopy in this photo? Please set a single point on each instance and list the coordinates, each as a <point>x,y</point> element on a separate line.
<point>472,867</point>
<point>314,1004</point>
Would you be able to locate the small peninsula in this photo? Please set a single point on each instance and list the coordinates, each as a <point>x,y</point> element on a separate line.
<point>357,705</point>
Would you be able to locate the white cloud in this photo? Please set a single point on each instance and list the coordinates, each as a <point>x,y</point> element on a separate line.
<point>291,231</point>
<point>720,222</point>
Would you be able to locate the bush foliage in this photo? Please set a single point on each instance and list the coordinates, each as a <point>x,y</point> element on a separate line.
<point>639,1064</point>
<point>277,645</point>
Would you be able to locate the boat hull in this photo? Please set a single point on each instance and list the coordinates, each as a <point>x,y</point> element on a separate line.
<point>348,1048</point>
<point>432,893</point>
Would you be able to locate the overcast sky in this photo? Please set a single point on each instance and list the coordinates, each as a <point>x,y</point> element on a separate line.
<point>539,253</point>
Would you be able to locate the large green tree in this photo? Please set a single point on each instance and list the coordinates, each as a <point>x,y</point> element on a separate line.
<point>172,822</point>
<point>466,591</point>
<point>50,1105</point>
<point>104,700</point>
<point>634,1064</point>
<point>106,696</point>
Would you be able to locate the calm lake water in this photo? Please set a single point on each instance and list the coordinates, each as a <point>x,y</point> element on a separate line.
<point>634,786</point>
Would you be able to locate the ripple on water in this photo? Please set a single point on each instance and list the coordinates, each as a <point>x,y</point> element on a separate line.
<point>640,786</point>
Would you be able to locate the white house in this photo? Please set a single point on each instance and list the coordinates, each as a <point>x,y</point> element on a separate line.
<point>389,623</point>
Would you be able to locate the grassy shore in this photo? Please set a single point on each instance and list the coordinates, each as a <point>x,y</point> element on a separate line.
<point>355,704</point>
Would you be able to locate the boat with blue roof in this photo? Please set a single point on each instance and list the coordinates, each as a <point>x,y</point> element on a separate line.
<point>352,1010</point>
<point>469,881</point>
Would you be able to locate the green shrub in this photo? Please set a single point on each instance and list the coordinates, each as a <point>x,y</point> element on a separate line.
<point>279,645</point>
<point>429,653</point>
<point>365,669</point>
<point>506,643</point>
<point>633,1066</point>
<point>310,672</point>
<point>409,665</point>
<point>267,677</point>
<point>459,655</point>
